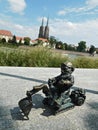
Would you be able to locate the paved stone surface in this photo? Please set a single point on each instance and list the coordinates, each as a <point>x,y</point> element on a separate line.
<point>14,81</point>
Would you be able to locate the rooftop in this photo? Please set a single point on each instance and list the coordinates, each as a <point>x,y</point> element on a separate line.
<point>5,32</point>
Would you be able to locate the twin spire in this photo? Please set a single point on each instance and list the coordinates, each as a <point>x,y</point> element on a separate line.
<point>44,31</point>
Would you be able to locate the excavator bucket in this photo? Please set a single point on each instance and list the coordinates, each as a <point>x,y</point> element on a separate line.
<point>25,105</point>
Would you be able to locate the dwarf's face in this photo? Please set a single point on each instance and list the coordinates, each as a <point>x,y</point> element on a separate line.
<point>66,68</point>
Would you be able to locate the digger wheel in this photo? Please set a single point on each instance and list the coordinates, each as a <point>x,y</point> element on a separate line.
<point>80,101</point>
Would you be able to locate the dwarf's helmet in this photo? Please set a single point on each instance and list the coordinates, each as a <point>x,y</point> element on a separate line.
<point>67,67</point>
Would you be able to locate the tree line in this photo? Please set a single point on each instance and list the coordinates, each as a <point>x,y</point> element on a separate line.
<point>82,47</point>
<point>54,42</point>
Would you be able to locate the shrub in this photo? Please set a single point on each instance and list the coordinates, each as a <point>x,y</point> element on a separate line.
<point>40,57</point>
<point>36,57</point>
<point>85,62</point>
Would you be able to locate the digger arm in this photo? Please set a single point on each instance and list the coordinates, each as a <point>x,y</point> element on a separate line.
<point>35,90</point>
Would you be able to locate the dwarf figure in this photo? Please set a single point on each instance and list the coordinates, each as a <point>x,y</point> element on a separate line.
<point>57,92</point>
<point>58,89</point>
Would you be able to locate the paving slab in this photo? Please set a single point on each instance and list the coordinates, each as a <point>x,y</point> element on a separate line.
<point>15,81</point>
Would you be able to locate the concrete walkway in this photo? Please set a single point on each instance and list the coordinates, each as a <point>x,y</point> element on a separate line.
<point>14,81</point>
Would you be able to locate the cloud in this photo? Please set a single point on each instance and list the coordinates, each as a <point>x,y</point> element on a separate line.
<point>72,33</point>
<point>92,3</point>
<point>17,6</point>
<point>88,7</point>
<point>19,30</point>
<point>62,12</point>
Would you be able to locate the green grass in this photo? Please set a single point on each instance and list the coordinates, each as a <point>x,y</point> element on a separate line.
<point>9,45</point>
<point>40,57</point>
<point>32,57</point>
<point>85,62</point>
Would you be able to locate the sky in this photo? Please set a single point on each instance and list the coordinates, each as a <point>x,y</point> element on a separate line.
<point>70,21</point>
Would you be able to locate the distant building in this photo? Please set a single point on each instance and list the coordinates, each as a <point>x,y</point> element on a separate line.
<point>96,50</point>
<point>6,34</point>
<point>41,30</point>
<point>19,39</point>
<point>44,31</point>
<point>40,41</point>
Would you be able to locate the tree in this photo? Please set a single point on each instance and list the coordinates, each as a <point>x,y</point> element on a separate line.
<point>20,42</point>
<point>9,41</point>
<point>81,46</point>
<point>59,45</point>
<point>53,41</point>
<point>71,47</point>
<point>3,40</point>
<point>40,42</point>
<point>26,40</point>
<point>92,50</point>
<point>65,46</point>
<point>14,40</point>
<point>0,40</point>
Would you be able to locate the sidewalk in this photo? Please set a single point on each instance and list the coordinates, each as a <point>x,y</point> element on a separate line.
<point>14,81</point>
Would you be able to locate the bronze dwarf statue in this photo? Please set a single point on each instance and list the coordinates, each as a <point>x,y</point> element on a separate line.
<point>59,96</point>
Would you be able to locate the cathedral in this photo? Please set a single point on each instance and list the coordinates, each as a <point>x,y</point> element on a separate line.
<point>44,31</point>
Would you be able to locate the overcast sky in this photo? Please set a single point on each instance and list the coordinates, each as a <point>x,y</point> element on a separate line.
<point>70,21</point>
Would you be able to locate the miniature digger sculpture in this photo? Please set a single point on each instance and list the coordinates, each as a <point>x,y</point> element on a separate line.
<point>59,96</point>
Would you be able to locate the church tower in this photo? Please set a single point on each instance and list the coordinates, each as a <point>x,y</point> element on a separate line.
<point>46,31</point>
<point>41,30</point>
